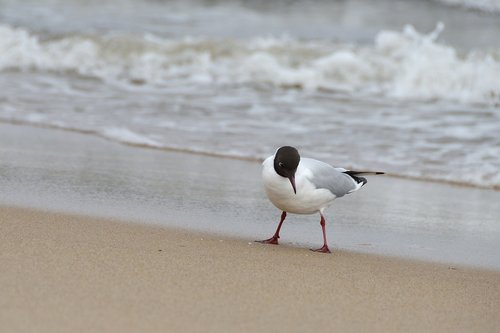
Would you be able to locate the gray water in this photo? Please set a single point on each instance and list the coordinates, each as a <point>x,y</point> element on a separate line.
<point>408,87</point>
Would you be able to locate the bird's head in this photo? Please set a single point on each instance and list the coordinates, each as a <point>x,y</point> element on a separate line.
<point>286,161</point>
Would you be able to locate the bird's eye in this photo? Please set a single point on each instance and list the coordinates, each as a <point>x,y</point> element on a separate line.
<point>281,164</point>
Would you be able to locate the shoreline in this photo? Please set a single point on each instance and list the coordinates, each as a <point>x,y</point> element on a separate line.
<point>224,156</point>
<point>81,174</point>
<point>221,237</point>
<point>75,273</point>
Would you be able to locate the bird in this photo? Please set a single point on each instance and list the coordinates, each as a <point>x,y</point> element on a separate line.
<point>306,186</point>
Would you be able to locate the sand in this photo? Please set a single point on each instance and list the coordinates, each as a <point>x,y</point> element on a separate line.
<point>80,252</point>
<point>80,174</point>
<point>72,273</point>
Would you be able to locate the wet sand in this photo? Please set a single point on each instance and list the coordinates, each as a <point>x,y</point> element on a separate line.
<point>81,174</point>
<point>73,273</point>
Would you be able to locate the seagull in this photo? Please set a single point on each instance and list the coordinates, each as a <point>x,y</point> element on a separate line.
<point>306,186</point>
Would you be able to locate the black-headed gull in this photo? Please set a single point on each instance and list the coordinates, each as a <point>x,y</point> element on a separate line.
<point>306,186</point>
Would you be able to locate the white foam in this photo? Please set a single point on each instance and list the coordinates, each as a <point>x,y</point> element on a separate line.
<point>420,68</point>
<point>401,65</point>
<point>483,5</point>
<point>125,135</point>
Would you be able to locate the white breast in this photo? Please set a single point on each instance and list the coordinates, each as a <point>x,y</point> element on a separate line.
<point>308,199</point>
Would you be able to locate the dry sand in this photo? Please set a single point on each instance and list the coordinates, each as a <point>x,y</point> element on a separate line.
<point>68,273</point>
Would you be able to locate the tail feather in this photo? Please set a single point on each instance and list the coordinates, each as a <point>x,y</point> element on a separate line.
<point>363,173</point>
<point>356,175</point>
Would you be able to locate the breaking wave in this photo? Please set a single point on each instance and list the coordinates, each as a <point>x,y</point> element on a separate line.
<point>399,64</point>
<point>482,5</point>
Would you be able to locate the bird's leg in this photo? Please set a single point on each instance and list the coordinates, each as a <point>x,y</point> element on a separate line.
<point>325,248</point>
<point>274,240</point>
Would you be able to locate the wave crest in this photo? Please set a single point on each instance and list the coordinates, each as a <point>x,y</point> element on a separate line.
<point>401,65</point>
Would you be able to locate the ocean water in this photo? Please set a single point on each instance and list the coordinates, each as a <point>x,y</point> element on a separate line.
<point>408,87</point>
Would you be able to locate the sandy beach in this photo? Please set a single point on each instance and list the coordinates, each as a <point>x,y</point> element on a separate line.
<point>69,273</point>
<point>132,135</point>
<point>98,236</point>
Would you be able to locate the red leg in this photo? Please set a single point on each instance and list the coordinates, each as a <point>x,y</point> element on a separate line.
<point>274,240</point>
<point>325,248</point>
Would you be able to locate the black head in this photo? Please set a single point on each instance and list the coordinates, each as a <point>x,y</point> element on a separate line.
<point>286,162</point>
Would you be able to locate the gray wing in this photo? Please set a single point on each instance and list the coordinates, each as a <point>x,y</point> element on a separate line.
<point>328,177</point>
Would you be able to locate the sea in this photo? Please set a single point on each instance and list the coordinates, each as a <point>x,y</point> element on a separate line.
<point>409,87</point>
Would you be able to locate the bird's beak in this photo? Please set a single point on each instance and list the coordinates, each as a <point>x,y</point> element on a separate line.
<point>292,181</point>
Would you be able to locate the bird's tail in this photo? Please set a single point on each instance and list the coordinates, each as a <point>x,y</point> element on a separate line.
<point>363,173</point>
<point>356,175</point>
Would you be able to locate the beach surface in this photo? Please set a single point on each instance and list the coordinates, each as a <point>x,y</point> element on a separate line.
<point>71,273</point>
<point>54,170</point>
<point>131,138</point>
<point>98,236</point>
